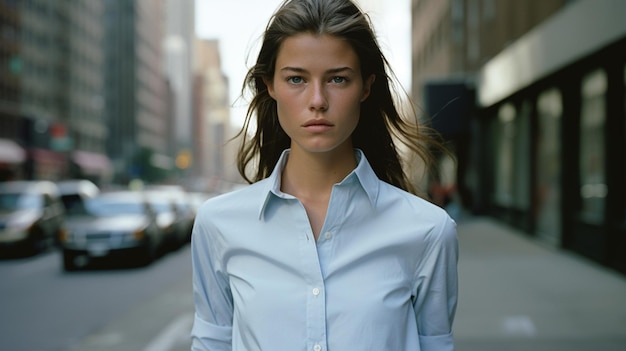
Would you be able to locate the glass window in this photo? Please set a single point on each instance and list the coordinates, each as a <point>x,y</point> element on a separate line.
<point>521,158</point>
<point>624,151</point>
<point>20,201</point>
<point>593,188</point>
<point>548,170</point>
<point>473,28</point>
<point>489,10</point>
<point>503,154</point>
<point>103,207</point>
<point>512,157</point>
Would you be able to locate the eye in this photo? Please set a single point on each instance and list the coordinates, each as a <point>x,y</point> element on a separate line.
<point>338,79</point>
<point>295,80</point>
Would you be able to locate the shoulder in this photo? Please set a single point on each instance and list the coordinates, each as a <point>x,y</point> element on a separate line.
<point>234,204</point>
<point>427,218</point>
<point>220,216</point>
<point>390,194</point>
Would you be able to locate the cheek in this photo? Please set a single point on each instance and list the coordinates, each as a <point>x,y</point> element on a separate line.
<point>285,116</point>
<point>287,106</point>
<point>353,109</point>
<point>282,110</point>
<point>356,117</point>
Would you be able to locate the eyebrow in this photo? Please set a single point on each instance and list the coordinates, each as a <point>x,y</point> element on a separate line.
<point>331,71</point>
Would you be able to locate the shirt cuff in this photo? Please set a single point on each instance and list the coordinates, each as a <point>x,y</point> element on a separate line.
<point>207,336</point>
<point>437,342</point>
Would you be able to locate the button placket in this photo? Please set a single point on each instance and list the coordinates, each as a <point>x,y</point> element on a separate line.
<point>315,300</point>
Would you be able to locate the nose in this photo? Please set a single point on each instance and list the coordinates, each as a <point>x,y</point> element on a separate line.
<point>318,98</point>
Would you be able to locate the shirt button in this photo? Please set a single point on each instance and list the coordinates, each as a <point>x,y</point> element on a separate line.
<point>316,292</point>
<point>327,235</point>
<point>317,347</point>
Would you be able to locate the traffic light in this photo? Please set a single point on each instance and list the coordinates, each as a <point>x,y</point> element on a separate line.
<point>183,159</point>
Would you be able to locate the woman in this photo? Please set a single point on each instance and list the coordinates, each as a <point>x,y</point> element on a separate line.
<point>327,249</point>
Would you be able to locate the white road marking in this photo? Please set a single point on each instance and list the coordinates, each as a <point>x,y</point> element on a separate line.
<point>107,340</point>
<point>519,326</point>
<point>171,334</point>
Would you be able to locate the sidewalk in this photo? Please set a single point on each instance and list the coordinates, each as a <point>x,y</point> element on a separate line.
<point>517,294</point>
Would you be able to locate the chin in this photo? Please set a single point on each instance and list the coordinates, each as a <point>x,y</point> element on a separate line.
<point>325,148</point>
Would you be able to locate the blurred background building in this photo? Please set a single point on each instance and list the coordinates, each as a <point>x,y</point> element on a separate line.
<point>530,95</point>
<point>211,124</point>
<point>137,98</point>
<point>52,88</point>
<point>104,90</point>
<point>178,46</point>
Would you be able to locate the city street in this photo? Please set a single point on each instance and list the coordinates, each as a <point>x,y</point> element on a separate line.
<point>515,294</point>
<point>43,308</point>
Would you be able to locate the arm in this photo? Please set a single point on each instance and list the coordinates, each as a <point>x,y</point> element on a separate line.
<point>437,290</point>
<point>212,327</point>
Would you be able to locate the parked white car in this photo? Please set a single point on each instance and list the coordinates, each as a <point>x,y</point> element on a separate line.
<point>120,226</point>
<point>31,216</point>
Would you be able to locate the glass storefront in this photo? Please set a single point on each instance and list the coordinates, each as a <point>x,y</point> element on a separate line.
<point>504,133</point>
<point>592,168</point>
<point>624,150</point>
<point>511,188</point>
<point>548,170</point>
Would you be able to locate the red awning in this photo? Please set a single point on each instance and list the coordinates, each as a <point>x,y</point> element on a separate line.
<point>91,162</point>
<point>11,152</point>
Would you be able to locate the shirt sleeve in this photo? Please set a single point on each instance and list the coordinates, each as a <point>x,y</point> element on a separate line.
<point>437,289</point>
<point>212,326</point>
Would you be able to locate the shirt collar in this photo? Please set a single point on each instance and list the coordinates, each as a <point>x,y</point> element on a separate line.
<point>363,173</point>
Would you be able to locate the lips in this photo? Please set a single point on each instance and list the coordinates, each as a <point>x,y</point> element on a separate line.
<point>317,126</point>
<point>317,122</point>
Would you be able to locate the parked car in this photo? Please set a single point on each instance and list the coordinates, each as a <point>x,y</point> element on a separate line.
<point>75,192</point>
<point>185,207</point>
<point>196,199</point>
<point>188,207</point>
<point>171,218</point>
<point>119,224</point>
<point>31,216</point>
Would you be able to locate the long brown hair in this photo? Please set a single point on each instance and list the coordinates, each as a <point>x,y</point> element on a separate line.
<point>380,125</point>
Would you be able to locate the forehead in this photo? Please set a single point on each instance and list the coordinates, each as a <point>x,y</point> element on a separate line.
<point>306,50</point>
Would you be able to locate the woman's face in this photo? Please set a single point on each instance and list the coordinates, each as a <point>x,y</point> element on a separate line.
<point>318,90</point>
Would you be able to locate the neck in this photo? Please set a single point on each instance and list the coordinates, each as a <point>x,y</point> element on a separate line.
<point>314,174</point>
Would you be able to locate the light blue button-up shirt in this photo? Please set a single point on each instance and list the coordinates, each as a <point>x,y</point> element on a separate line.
<point>382,275</point>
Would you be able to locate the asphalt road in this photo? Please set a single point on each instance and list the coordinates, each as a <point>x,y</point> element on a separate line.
<point>43,308</point>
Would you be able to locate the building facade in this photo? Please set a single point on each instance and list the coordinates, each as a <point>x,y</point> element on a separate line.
<point>546,85</point>
<point>51,100</point>
<point>215,155</point>
<point>136,91</point>
<point>178,50</point>
<point>451,40</point>
<point>557,130</point>
<point>454,38</point>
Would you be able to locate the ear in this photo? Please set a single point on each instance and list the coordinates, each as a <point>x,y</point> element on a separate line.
<point>367,87</point>
<point>269,83</point>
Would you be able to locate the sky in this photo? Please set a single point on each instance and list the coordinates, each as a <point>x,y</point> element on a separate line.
<point>239,24</point>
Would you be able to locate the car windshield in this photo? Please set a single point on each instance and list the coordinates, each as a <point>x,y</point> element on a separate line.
<point>161,206</point>
<point>73,205</point>
<point>19,201</point>
<point>103,207</point>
